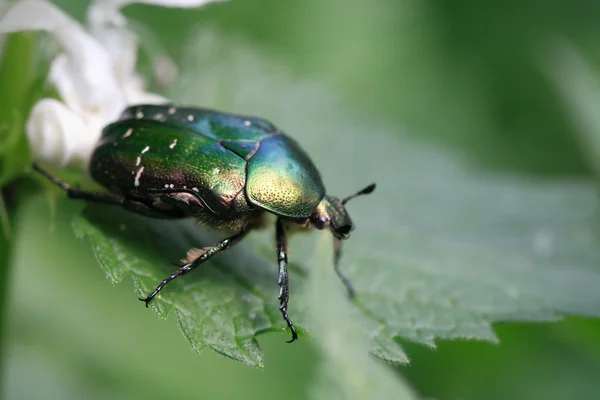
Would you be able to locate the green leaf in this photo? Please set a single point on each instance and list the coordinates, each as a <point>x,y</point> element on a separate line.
<point>440,250</point>
<point>221,306</point>
<point>347,371</point>
<point>579,85</point>
<point>16,75</point>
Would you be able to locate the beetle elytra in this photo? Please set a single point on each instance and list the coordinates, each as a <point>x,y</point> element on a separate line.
<point>227,171</point>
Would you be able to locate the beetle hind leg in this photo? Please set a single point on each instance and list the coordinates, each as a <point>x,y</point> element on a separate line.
<point>284,284</point>
<point>96,197</point>
<point>200,258</point>
<point>128,203</point>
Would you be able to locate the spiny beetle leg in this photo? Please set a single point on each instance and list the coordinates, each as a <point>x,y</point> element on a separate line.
<point>105,198</point>
<point>337,253</point>
<point>284,284</point>
<point>205,256</point>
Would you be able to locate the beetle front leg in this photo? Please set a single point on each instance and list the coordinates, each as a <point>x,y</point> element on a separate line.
<point>284,284</point>
<point>337,253</point>
<point>205,256</point>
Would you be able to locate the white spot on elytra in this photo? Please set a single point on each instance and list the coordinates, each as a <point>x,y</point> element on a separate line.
<point>190,117</point>
<point>171,186</point>
<point>195,189</point>
<point>138,161</point>
<point>136,182</point>
<point>172,145</point>
<point>128,133</point>
<point>160,117</point>
<point>172,110</point>
<point>216,170</point>
<point>166,185</point>
<point>247,123</point>
<point>139,115</point>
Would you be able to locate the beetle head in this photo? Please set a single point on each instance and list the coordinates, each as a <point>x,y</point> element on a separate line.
<point>331,212</point>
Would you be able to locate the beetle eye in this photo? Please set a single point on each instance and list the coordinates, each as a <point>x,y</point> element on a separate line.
<point>321,222</point>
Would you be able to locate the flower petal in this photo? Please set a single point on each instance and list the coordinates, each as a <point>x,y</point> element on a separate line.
<point>135,94</point>
<point>122,47</point>
<point>85,76</point>
<point>164,3</point>
<point>54,133</point>
<point>109,27</point>
<point>165,71</point>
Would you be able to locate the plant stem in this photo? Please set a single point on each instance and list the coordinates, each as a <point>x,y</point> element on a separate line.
<point>16,73</point>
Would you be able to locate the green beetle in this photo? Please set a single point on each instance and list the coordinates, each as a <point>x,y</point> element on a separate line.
<point>227,171</point>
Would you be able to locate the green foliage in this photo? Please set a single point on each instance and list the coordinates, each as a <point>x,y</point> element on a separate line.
<point>441,251</point>
<point>222,307</point>
<point>579,84</point>
<point>347,370</point>
<point>438,253</point>
<point>19,90</point>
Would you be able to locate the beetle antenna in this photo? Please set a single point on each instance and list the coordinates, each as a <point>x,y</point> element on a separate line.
<point>367,190</point>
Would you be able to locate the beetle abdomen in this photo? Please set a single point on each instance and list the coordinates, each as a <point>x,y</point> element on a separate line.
<point>282,179</point>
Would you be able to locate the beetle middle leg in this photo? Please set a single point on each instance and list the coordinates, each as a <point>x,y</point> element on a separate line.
<point>202,258</point>
<point>284,284</point>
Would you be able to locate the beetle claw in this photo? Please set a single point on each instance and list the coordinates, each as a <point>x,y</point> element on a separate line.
<point>294,334</point>
<point>146,300</point>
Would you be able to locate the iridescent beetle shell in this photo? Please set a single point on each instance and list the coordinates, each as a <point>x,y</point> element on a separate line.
<point>212,156</point>
<point>225,170</point>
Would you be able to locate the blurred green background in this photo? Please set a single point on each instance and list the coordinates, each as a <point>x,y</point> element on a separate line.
<point>465,75</point>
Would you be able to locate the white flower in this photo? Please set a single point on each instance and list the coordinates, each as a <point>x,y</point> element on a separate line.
<point>94,75</point>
